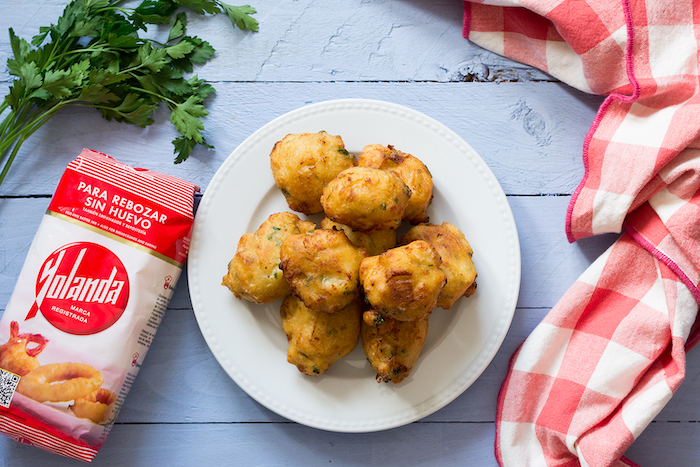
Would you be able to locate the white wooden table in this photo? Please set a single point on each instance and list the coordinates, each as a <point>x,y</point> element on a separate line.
<point>529,128</point>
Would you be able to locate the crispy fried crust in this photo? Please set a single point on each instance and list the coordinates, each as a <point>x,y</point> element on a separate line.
<point>302,164</point>
<point>254,273</point>
<point>392,347</point>
<point>366,199</point>
<point>456,255</point>
<point>412,171</point>
<point>403,283</point>
<point>322,269</point>
<point>318,339</point>
<point>375,242</point>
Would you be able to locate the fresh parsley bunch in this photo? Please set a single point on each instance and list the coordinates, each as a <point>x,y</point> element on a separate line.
<point>93,57</point>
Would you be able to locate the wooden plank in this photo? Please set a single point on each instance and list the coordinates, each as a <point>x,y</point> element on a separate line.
<point>298,41</point>
<point>247,444</point>
<point>530,134</point>
<point>549,263</point>
<point>157,393</point>
<point>667,443</point>
<point>277,444</point>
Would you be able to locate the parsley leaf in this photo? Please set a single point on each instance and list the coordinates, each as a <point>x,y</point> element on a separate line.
<point>180,49</point>
<point>240,16</point>
<point>177,30</point>
<point>185,117</point>
<point>60,82</point>
<point>93,56</point>
<point>200,6</point>
<point>153,12</point>
<point>184,146</point>
<point>201,52</point>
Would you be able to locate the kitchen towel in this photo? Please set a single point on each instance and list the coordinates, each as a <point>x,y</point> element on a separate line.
<point>611,353</point>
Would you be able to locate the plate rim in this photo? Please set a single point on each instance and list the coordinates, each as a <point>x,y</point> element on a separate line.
<point>484,355</point>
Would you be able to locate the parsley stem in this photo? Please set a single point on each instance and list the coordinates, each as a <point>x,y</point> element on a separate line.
<point>5,122</point>
<point>20,119</point>
<point>80,51</point>
<point>22,130</point>
<point>159,96</point>
<point>114,7</point>
<point>10,125</point>
<point>11,158</point>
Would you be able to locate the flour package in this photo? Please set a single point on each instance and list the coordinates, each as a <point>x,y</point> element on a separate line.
<point>88,301</point>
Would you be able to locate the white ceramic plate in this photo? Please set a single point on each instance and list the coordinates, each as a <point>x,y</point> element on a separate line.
<point>248,340</point>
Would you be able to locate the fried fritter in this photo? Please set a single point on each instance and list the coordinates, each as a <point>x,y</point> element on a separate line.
<point>403,283</point>
<point>456,255</point>
<point>323,269</point>
<point>302,164</point>
<point>366,199</point>
<point>318,339</point>
<point>375,242</point>
<point>392,347</point>
<point>411,170</point>
<point>254,273</point>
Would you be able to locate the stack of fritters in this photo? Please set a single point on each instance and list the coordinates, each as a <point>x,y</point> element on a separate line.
<point>351,277</point>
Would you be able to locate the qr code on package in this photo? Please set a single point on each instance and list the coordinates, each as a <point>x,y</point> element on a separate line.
<point>8,384</point>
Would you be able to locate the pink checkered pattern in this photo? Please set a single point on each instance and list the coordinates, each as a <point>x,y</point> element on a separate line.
<point>611,353</point>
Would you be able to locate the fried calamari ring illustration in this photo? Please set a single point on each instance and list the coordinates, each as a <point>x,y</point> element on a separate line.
<point>94,406</point>
<point>60,382</point>
<point>16,356</point>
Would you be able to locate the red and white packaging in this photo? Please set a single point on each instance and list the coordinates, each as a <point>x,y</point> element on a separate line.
<point>93,290</point>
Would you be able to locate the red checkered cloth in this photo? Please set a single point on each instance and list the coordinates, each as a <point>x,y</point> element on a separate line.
<point>611,353</point>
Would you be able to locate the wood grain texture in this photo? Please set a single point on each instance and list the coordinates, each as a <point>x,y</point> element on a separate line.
<point>305,40</point>
<point>418,444</point>
<point>183,408</point>
<point>532,143</point>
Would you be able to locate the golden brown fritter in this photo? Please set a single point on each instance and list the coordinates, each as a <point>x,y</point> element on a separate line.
<point>318,339</point>
<point>254,273</point>
<point>302,164</point>
<point>375,242</point>
<point>403,283</point>
<point>392,347</point>
<point>366,199</point>
<point>411,170</point>
<point>456,255</point>
<point>322,268</point>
